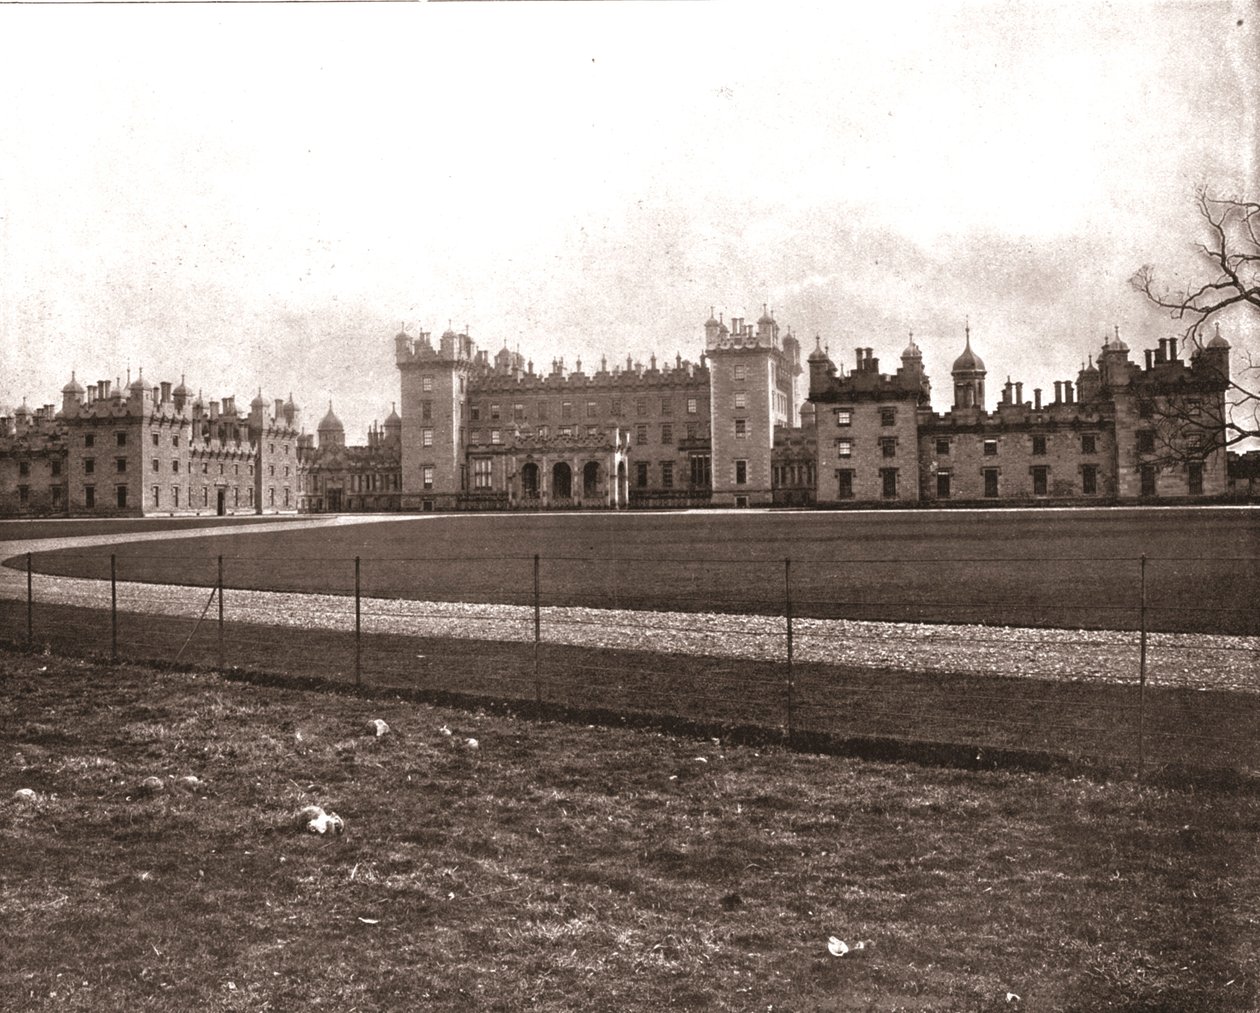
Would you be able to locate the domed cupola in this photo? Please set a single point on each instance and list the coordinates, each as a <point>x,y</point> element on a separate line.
<point>331,432</point>
<point>969,373</point>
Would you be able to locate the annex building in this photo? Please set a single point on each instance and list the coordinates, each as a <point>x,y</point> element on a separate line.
<point>748,424</point>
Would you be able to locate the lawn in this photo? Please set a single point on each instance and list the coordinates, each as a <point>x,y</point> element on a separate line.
<point>1071,569</point>
<point>560,866</point>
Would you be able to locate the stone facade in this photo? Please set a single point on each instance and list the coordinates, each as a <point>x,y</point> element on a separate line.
<point>476,432</point>
<point>139,450</point>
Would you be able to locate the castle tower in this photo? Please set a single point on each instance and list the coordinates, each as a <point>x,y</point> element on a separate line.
<point>433,388</point>
<point>751,384</point>
<point>969,374</point>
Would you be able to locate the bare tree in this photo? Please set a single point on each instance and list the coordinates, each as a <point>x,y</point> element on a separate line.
<point>1231,257</point>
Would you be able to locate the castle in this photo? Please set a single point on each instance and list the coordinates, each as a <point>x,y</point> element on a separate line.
<point>744,426</point>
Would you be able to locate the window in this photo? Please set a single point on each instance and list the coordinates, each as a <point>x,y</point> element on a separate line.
<point>494,413</point>
<point>543,408</point>
<point>474,436</point>
<point>667,433</point>
<point>121,496</point>
<point>271,470</point>
<point>640,433</point>
<point>175,467</point>
<point>157,496</point>
<point>1148,480</point>
<point>640,407</point>
<point>741,400</point>
<point>592,409</point>
<point>844,416</point>
<point>426,437</point>
<point>120,464</point>
<point>568,431</point>
<point>741,429</point>
<point>1194,478</point>
<point>175,495</point>
<point>175,440</point>
<point>616,407</point>
<point>544,432</point>
<point>701,471</point>
<point>24,493</point>
<point>888,416</point>
<point>942,448</point>
<point>1146,409</point>
<point>496,436</point>
<point>518,412</point>
<point>990,483</point>
<point>271,496</point>
<point>89,497</point>
<point>55,464</point>
<point>691,406</point>
<point>667,474</point>
<point>942,484</point>
<point>1039,446</point>
<point>89,440</point>
<point>24,468</point>
<point>1040,480</point>
<point>888,482</point>
<point>888,446</point>
<point>641,474</point>
<point>426,384</point>
<point>1089,479</point>
<point>156,464</point>
<point>426,410</point>
<point>566,409</point>
<point>482,472</point>
<point>205,497</point>
<point>844,483</point>
<point>120,439</point>
<point>738,373</point>
<point>990,448</point>
<point>89,465</point>
<point>156,437</point>
<point>844,448</point>
<point>56,495</point>
<point>667,406</point>
<point>474,413</point>
<point>692,429</point>
<point>592,430</point>
<point>1089,443</point>
<point>741,472</point>
<point>1145,441</point>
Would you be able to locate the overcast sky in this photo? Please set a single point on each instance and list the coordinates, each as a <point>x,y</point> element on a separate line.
<point>259,195</point>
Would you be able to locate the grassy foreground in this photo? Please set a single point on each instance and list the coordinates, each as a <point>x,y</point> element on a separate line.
<point>561,867</point>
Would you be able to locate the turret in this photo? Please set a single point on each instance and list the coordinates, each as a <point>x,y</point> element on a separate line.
<point>969,374</point>
<point>331,432</point>
<point>72,396</point>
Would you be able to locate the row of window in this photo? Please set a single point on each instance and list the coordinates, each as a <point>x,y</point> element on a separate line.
<point>543,432</point>
<point>120,466</point>
<point>24,467</point>
<point>887,416</point>
<point>495,412</point>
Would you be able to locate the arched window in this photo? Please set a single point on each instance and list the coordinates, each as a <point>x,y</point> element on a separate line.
<point>590,478</point>
<point>529,481</point>
<point>561,481</point>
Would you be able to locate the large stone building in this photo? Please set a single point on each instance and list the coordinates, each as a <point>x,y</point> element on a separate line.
<point>738,428</point>
<point>136,450</point>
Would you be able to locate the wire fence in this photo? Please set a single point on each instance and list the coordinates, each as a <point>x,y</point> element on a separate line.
<point>1141,662</point>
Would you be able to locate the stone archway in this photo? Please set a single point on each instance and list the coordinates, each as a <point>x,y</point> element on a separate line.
<point>561,481</point>
<point>529,481</point>
<point>590,480</point>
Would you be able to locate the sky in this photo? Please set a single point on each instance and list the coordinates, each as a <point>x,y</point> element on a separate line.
<point>258,196</point>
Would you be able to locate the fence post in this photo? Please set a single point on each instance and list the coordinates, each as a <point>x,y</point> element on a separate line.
<point>219,591</point>
<point>537,635</point>
<point>787,603</point>
<point>113,609</point>
<point>358,628</point>
<point>1142,671</point>
<point>30,604</point>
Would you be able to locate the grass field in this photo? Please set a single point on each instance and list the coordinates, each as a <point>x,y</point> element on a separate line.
<point>561,867</point>
<point>1070,569</point>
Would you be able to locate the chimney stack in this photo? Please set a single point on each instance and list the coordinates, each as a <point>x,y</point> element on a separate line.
<point>1058,391</point>
<point>1019,392</point>
<point>1037,399</point>
<point>1067,391</point>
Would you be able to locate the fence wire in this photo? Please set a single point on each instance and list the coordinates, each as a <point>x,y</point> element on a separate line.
<point>1104,658</point>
